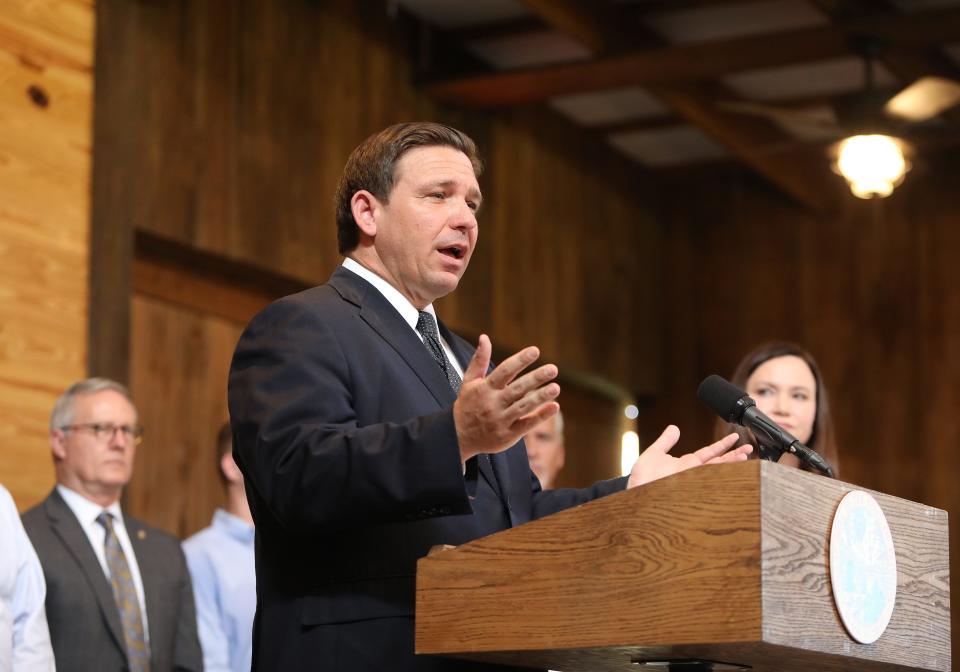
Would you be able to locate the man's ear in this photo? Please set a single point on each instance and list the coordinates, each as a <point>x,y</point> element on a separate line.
<point>57,444</point>
<point>366,210</point>
<point>229,468</point>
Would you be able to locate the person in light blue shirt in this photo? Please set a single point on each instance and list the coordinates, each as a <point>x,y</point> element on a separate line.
<point>221,562</point>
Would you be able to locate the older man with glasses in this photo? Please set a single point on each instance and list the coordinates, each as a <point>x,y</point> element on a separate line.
<point>118,591</point>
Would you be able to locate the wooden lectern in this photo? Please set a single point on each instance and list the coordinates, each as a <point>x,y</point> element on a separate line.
<point>725,563</point>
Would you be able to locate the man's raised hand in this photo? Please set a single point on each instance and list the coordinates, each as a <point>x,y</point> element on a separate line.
<point>656,462</point>
<point>495,409</point>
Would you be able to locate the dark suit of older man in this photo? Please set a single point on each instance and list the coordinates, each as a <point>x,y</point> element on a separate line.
<point>85,627</point>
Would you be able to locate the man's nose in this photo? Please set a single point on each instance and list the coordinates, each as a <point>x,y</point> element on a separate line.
<point>118,439</point>
<point>464,217</point>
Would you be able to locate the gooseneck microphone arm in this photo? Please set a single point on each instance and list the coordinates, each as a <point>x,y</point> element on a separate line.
<point>737,407</point>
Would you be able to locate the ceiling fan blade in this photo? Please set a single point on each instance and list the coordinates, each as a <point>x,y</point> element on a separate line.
<point>820,117</point>
<point>925,98</point>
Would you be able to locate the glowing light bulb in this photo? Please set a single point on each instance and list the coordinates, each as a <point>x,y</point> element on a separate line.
<point>872,165</point>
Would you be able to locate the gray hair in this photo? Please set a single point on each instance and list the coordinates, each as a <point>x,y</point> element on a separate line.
<point>63,409</point>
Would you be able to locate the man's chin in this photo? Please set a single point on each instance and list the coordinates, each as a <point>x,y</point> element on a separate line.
<point>115,477</point>
<point>444,283</point>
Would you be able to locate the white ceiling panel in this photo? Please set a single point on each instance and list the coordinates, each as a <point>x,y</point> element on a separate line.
<point>823,124</point>
<point>609,106</point>
<point>667,147</point>
<point>725,21</point>
<point>813,79</point>
<point>460,14</point>
<point>528,50</point>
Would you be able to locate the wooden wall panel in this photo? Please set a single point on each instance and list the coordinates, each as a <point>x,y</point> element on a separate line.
<point>593,427</point>
<point>178,378</point>
<point>873,292</point>
<point>569,255</point>
<point>46,54</point>
<point>184,331</point>
<point>224,126</point>
<point>251,110</point>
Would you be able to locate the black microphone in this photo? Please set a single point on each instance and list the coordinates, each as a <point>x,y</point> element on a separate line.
<point>737,407</point>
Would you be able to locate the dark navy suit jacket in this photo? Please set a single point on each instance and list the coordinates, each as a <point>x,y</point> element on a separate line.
<point>343,428</point>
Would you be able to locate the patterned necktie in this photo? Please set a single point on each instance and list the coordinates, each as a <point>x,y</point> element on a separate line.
<point>427,327</point>
<point>125,595</point>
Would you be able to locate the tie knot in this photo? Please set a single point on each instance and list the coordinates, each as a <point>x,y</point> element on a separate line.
<point>426,325</point>
<point>106,519</point>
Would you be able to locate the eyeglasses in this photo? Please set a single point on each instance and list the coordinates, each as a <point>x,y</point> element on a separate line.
<point>104,431</point>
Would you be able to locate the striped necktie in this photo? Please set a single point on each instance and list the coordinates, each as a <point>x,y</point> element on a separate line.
<point>125,595</point>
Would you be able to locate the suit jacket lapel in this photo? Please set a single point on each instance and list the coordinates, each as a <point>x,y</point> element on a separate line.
<point>383,318</point>
<point>66,526</point>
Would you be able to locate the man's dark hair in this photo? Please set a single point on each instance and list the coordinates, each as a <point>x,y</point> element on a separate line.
<point>372,167</point>
<point>224,446</point>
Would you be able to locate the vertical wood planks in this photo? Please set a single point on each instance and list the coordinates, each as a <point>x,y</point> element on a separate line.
<point>46,55</point>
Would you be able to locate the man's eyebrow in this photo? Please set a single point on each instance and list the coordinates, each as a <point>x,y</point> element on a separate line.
<point>438,183</point>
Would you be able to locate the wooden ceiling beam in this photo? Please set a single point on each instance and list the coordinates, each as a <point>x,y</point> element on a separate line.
<point>639,124</point>
<point>804,178</point>
<point>498,30</point>
<point>797,103</point>
<point>924,140</point>
<point>695,103</point>
<point>574,20</point>
<point>657,6</point>
<point>524,25</point>
<point>669,64</point>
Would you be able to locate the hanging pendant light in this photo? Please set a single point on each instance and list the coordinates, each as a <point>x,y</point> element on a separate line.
<point>873,165</point>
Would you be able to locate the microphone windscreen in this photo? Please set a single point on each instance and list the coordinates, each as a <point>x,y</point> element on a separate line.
<point>721,396</point>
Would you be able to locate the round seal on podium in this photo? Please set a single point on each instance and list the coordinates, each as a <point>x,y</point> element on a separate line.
<point>863,566</point>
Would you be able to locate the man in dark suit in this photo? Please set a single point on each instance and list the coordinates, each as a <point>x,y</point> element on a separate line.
<point>367,434</point>
<point>118,591</point>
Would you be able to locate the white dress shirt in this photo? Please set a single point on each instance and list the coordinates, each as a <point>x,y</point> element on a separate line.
<point>407,310</point>
<point>24,637</point>
<point>86,513</point>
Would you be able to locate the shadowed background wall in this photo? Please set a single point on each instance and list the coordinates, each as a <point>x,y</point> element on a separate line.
<point>225,127</point>
<point>872,291</point>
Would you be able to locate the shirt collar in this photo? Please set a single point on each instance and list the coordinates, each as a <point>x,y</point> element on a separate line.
<point>87,511</point>
<point>233,526</point>
<point>407,310</point>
